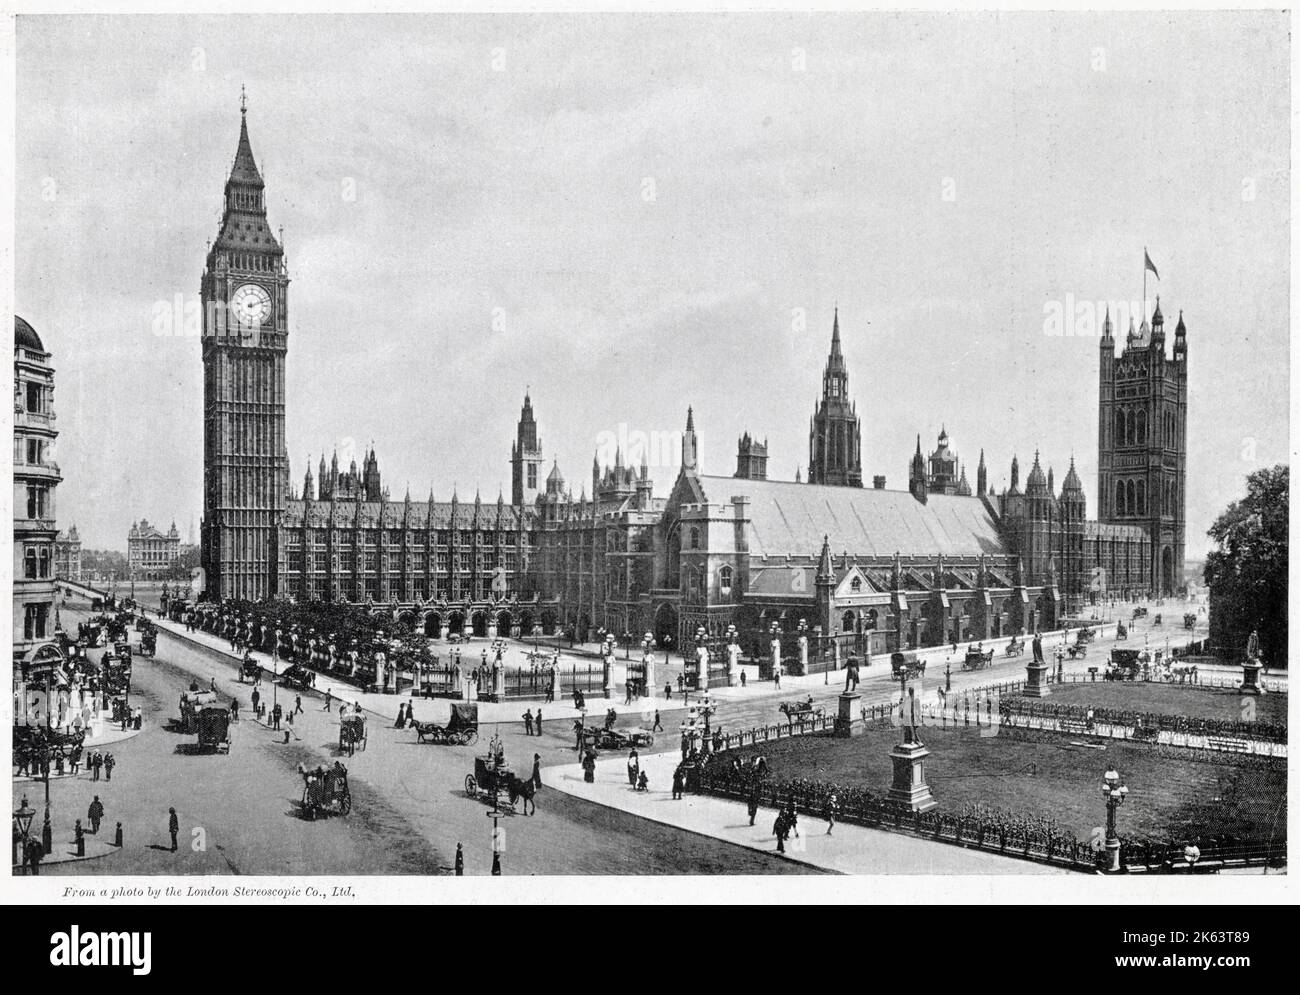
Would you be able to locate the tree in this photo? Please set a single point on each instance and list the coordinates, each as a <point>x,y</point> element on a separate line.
<point>1247,573</point>
<point>181,567</point>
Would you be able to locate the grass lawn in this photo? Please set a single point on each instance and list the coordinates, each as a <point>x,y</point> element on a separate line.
<point>1167,797</point>
<point>1172,699</point>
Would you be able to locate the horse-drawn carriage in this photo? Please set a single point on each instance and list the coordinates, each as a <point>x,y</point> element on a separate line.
<point>1121,631</point>
<point>149,642</point>
<point>1125,665</point>
<point>1139,612</point>
<point>1086,635</point>
<point>490,779</point>
<point>461,729</point>
<point>1015,647</point>
<point>250,670</point>
<point>907,665</point>
<point>977,658</point>
<point>214,729</point>
<point>1158,619</point>
<point>1189,620</point>
<point>297,677</point>
<point>352,734</point>
<point>192,703</point>
<point>1077,651</point>
<point>801,711</point>
<point>609,738</point>
<point>325,791</point>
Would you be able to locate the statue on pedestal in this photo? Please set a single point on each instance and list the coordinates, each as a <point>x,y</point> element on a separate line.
<point>911,718</point>
<point>1252,645</point>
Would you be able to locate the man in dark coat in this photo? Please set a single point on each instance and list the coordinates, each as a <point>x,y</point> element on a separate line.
<point>460,860</point>
<point>173,827</point>
<point>109,764</point>
<point>95,814</point>
<point>537,770</point>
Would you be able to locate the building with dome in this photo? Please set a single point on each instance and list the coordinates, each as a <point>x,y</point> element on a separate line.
<point>36,478</point>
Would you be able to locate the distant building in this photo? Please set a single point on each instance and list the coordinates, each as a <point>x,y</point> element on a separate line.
<point>151,552</point>
<point>36,476</point>
<point>67,555</point>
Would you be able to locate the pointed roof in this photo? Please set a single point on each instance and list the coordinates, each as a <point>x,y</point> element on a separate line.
<point>1180,328</point>
<point>824,565</point>
<point>1072,482</point>
<point>555,477</point>
<point>1157,318</point>
<point>690,419</point>
<point>244,170</point>
<point>836,358</point>
<point>1036,482</point>
<point>1106,326</point>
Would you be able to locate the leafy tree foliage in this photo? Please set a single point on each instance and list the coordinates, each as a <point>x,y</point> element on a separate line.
<point>1247,573</point>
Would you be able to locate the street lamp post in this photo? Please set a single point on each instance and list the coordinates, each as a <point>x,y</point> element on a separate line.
<point>1114,791</point>
<point>22,823</point>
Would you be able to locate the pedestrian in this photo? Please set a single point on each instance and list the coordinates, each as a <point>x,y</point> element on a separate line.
<point>275,716</point>
<point>677,783</point>
<point>460,860</point>
<point>496,862</point>
<point>752,805</point>
<point>75,761</point>
<point>173,826</point>
<point>832,807</point>
<point>589,767</point>
<point>528,722</point>
<point>109,764</point>
<point>633,767</point>
<point>537,723</point>
<point>577,733</point>
<point>742,677</point>
<point>34,852</point>
<point>234,710</point>
<point>297,703</point>
<point>537,770</point>
<point>668,689</point>
<point>329,697</point>
<point>256,697</point>
<point>94,814</point>
<point>780,829</point>
<point>658,726</point>
<point>776,675</point>
<point>99,764</point>
<point>139,718</point>
<point>212,685</point>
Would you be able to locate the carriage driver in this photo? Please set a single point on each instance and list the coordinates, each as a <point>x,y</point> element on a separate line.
<point>497,750</point>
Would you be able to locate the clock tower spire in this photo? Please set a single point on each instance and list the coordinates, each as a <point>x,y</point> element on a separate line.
<point>244,294</point>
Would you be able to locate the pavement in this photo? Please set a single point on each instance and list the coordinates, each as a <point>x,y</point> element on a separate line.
<point>850,849</point>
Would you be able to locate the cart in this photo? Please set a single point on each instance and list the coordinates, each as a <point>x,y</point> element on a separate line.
<point>461,729</point>
<point>907,666</point>
<point>617,739</point>
<point>352,734</point>
<point>250,670</point>
<point>325,791</point>
<point>1125,665</point>
<point>149,643</point>
<point>488,780</point>
<point>977,659</point>
<point>801,711</point>
<point>192,702</point>
<point>214,729</point>
<point>1015,647</point>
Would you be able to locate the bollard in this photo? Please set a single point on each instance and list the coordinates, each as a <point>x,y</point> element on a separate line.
<point>117,836</point>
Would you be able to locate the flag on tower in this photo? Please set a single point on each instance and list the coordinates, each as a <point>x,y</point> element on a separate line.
<point>1150,265</point>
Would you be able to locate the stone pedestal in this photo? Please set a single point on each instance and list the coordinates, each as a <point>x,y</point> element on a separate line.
<point>608,677</point>
<point>492,630</point>
<point>499,683</point>
<point>803,656</point>
<point>846,724</point>
<point>702,669</point>
<point>648,668</point>
<point>1036,685</point>
<point>555,683</point>
<point>909,788</point>
<point>733,665</point>
<point>1250,677</point>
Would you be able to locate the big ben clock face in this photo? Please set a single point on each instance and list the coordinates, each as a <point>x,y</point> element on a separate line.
<point>251,305</point>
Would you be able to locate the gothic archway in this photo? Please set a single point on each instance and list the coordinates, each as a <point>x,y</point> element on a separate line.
<point>1167,570</point>
<point>456,622</point>
<point>548,621</point>
<point>665,624</point>
<point>479,623</point>
<point>433,624</point>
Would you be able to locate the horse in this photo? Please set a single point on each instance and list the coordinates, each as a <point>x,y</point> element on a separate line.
<point>525,789</point>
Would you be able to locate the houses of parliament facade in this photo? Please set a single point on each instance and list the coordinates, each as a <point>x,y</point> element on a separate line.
<point>878,568</point>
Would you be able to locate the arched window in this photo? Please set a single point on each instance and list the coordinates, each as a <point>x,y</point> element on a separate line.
<point>855,585</point>
<point>1141,428</point>
<point>695,538</point>
<point>724,580</point>
<point>847,623</point>
<point>29,563</point>
<point>1119,428</point>
<point>1119,497</point>
<point>1132,498</point>
<point>1141,497</point>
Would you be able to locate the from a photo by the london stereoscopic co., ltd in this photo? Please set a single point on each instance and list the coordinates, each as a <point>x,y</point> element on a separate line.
<point>651,444</point>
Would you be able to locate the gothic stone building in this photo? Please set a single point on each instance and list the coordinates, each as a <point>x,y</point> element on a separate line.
<point>876,568</point>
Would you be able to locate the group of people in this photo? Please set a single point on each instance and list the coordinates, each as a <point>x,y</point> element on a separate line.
<point>532,726</point>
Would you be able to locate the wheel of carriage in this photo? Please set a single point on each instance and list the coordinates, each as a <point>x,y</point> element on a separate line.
<point>649,741</point>
<point>345,803</point>
<point>469,737</point>
<point>471,786</point>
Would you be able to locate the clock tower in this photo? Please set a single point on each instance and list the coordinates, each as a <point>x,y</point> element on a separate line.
<point>244,293</point>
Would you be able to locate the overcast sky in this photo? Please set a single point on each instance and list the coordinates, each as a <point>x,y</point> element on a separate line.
<point>630,214</point>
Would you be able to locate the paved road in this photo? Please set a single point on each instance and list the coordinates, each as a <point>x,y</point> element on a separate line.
<point>409,812</point>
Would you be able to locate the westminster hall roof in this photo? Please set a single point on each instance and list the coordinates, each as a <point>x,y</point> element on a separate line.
<point>790,519</point>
